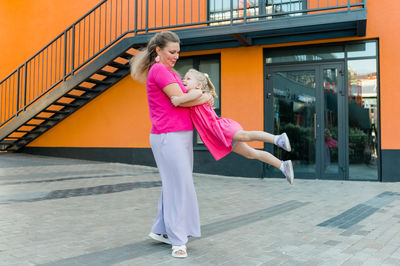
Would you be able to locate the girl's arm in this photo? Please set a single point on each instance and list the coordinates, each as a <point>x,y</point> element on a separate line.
<point>187,97</point>
<point>204,98</point>
<point>173,89</point>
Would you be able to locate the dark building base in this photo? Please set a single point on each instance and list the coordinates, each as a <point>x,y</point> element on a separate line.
<point>231,165</point>
<point>390,165</point>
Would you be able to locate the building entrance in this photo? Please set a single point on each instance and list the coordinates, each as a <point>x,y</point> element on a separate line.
<point>307,101</point>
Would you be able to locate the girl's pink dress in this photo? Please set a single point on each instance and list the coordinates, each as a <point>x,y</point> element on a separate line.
<point>215,132</point>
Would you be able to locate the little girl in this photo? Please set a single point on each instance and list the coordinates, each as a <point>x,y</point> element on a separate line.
<point>223,135</point>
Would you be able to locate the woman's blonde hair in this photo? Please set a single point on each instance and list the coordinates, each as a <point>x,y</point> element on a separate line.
<point>204,80</point>
<point>141,63</point>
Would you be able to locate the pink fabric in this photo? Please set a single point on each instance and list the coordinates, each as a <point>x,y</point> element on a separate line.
<point>215,132</point>
<point>163,115</point>
<point>331,143</point>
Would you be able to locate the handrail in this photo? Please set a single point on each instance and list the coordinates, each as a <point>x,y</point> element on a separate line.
<point>111,20</point>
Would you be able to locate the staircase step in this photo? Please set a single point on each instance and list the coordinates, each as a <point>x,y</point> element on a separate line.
<point>35,131</point>
<point>66,104</point>
<point>109,74</point>
<point>48,118</point>
<point>77,97</point>
<point>33,125</point>
<point>118,65</point>
<point>56,112</point>
<point>7,142</point>
<point>99,82</point>
<point>86,89</point>
<point>11,138</point>
<point>126,55</point>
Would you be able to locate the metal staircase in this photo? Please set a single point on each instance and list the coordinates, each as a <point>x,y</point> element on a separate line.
<point>93,53</point>
<point>97,77</point>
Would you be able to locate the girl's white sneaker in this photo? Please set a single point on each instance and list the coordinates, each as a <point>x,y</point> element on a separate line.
<point>282,141</point>
<point>287,170</point>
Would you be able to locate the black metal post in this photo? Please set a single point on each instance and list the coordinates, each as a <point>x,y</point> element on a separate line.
<point>65,55</point>
<point>18,88</point>
<point>25,82</point>
<point>73,50</point>
<point>262,4</point>
<point>147,16</point>
<point>136,12</point>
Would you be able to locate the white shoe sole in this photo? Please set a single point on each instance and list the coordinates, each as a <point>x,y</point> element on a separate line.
<point>159,238</point>
<point>291,173</point>
<point>288,148</point>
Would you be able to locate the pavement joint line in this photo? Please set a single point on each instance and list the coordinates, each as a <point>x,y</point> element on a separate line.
<point>77,192</point>
<point>356,214</point>
<point>37,175</point>
<point>141,249</point>
<point>74,178</point>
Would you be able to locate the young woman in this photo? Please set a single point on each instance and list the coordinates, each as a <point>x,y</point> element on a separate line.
<point>171,141</point>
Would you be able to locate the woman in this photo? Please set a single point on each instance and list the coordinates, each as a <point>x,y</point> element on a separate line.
<point>171,141</point>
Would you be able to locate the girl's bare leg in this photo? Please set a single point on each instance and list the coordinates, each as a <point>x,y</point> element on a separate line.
<point>247,136</point>
<point>251,153</point>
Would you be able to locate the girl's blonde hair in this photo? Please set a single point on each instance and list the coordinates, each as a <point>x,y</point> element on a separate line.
<point>204,80</point>
<point>141,63</point>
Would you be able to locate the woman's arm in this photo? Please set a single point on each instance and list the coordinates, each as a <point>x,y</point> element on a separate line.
<point>204,98</point>
<point>173,89</point>
<point>187,97</point>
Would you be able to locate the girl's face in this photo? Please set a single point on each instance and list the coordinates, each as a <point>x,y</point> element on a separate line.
<point>190,82</point>
<point>169,54</point>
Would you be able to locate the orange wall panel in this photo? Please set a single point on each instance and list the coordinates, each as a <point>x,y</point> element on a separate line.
<point>383,19</point>
<point>26,26</point>
<point>242,87</point>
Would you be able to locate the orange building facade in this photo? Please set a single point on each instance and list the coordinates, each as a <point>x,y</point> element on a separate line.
<point>317,82</point>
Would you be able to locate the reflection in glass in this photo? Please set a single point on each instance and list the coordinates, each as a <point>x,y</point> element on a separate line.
<point>183,65</point>
<point>211,67</point>
<point>224,10</point>
<point>361,49</point>
<point>294,113</point>
<point>208,65</point>
<point>363,145</point>
<point>330,86</point>
<point>305,54</point>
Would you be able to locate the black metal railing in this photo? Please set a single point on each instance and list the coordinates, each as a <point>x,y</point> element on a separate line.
<point>111,20</point>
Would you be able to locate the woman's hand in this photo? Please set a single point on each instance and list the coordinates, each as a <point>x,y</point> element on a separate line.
<point>210,101</point>
<point>175,100</point>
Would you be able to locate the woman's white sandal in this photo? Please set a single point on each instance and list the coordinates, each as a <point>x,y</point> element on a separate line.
<point>175,250</point>
<point>160,238</point>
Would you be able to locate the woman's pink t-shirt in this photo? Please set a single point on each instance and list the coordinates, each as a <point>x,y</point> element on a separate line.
<point>163,115</point>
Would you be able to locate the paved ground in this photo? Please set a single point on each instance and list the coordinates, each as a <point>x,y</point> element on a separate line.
<point>68,212</point>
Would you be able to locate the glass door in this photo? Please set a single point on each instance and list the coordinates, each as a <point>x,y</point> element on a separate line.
<point>333,122</point>
<point>306,101</point>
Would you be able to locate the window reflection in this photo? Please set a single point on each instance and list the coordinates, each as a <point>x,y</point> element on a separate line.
<point>294,108</point>
<point>206,64</point>
<point>362,93</point>
<point>361,49</point>
<point>228,9</point>
<point>305,54</point>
